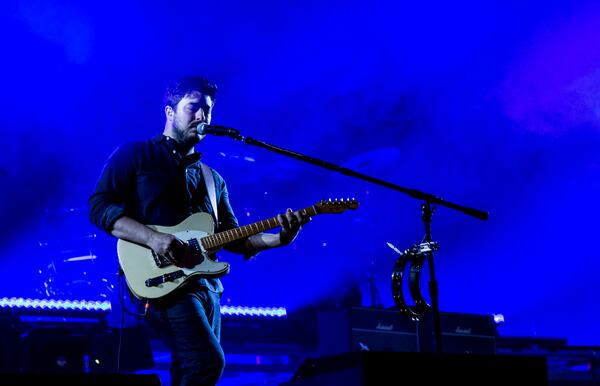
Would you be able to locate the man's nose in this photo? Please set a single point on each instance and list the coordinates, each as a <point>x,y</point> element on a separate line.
<point>200,115</point>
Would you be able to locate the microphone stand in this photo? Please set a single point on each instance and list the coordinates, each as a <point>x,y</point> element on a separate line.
<point>426,210</point>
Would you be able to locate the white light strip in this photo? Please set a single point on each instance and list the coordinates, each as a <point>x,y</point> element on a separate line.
<point>105,306</point>
<point>51,304</point>
<point>278,312</point>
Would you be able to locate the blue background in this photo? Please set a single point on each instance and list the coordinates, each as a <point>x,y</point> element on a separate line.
<point>492,106</point>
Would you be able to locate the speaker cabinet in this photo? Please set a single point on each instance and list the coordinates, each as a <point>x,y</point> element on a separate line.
<point>366,329</point>
<point>53,350</point>
<point>60,350</point>
<point>461,333</point>
<point>9,349</point>
<point>404,368</point>
<point>133,345</point>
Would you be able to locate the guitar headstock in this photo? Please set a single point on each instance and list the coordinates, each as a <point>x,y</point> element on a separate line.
<point>336,206</point>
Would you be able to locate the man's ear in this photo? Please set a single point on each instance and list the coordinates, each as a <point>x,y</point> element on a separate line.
<point>169,112</point>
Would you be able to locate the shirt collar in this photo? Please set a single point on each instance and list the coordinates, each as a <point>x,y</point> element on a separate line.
<point>173,144</point>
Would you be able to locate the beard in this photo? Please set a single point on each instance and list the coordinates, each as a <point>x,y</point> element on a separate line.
<point>184,134</point>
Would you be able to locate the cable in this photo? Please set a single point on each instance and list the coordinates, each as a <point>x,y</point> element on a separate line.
<point>122,295</point>
<point>124,310</point>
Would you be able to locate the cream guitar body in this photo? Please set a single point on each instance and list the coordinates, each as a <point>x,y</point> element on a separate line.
<point>150,276</point>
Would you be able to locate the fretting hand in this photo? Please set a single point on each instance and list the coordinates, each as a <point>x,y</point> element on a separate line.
<point>291,223</point>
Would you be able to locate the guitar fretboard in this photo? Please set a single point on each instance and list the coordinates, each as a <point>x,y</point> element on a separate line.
<point>218,240</point>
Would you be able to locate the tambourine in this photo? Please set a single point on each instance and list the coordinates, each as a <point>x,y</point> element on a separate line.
<point>413,259</point>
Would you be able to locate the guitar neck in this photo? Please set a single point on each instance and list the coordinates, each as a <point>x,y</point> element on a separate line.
<point>220,239</point>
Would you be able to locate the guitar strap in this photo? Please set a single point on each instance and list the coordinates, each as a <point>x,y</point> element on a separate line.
<point>209,180</point>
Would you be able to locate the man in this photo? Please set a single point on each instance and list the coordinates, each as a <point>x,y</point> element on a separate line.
<point>160,181</point>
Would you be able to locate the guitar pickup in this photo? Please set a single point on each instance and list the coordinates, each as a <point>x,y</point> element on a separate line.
<point>156,281</point>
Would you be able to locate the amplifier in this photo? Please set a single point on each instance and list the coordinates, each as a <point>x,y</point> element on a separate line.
<point>366,329</point>
<point>297,331</point>
<point>53,350</point>
<point>461,333</point>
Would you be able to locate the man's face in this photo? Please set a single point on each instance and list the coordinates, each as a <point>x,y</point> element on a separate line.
<point>192,109</point>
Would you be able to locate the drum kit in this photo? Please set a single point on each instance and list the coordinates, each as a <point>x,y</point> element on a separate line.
<point>68,263</point>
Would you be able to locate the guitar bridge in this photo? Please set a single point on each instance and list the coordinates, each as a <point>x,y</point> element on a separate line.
<point>160,260</point>
<point>156,281</point>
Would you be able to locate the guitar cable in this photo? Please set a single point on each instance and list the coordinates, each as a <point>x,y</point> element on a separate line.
<point>124,310</point>
<point>122,296</point>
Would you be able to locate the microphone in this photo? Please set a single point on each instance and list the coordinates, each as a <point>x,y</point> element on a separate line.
<point>204,129</point>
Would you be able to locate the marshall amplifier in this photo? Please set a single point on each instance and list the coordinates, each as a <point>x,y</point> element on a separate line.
<point>366,329</point>
<point>461,333</point>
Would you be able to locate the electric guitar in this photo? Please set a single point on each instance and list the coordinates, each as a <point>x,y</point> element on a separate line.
<point>151,276</point>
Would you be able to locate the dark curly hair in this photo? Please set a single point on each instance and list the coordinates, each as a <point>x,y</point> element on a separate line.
<point>183,86</point>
